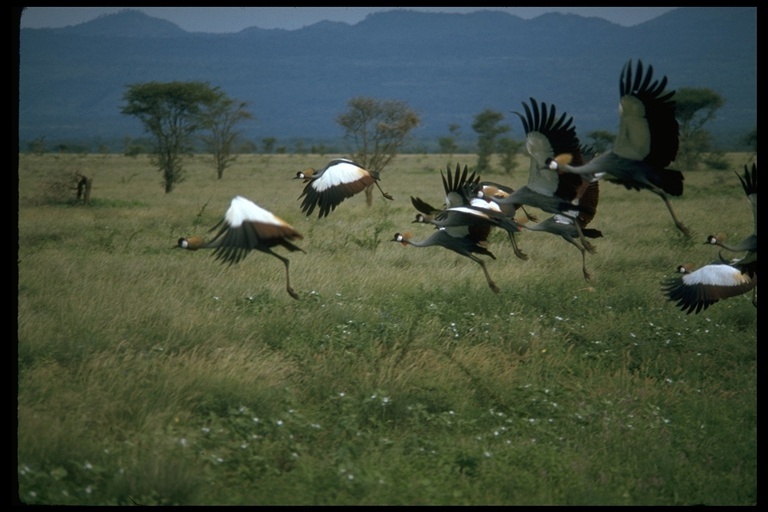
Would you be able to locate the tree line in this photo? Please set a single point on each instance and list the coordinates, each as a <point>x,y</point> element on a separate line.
<point>179,117</point>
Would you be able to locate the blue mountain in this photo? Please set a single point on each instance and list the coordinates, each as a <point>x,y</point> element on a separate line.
<point>446,67</point>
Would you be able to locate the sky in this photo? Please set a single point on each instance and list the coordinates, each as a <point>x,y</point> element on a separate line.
<point>235,19</point>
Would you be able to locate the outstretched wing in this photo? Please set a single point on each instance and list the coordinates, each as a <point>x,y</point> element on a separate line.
<point>339,180</point>
<point>456,185</point>
<point>547,135</point>
<point>648,128</point>
<point>247,226</point>
<point>749,183</point>
<point>696,291</point>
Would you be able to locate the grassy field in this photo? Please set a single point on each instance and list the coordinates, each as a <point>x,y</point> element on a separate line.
<point>152,375</point>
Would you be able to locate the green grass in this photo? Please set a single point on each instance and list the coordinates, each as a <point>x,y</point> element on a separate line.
<point>151,375</point>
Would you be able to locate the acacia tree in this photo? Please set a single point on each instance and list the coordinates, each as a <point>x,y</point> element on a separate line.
<point>486,125</point>
<point>269,144</point>
<point>220,117</point>
<point>694,108</point>
<point>171,112</point>
<point>508,149</point>
<point>378,129</point>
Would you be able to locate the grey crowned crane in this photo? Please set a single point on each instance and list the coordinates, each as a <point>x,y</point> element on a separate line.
<point>586,194</point>
<point>454,188</point>
<point>547,135</point>
<point>463,213</point>
<point>566,227</point>
<point>647,141</point>
<point>697,289</point>
<point>469,244</point>
<point>340,179</point>
<point>748,244</point>
<point>245,227</point>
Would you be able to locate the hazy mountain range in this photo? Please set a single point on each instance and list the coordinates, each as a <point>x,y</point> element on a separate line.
<point>447,67</point>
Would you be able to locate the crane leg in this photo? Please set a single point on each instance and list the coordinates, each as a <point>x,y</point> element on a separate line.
<point>587,275</point>
<point>584,242</point>
<point>386,195</point>
<point>487,275</point>
<point>520,254</point>
<point>288,288</point>
<point>679,224</point>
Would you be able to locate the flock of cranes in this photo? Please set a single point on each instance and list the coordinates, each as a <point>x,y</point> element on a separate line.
<point>563,180</point>
<point>699,288</point>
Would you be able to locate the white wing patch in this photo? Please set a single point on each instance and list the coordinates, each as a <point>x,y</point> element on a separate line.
<point>561,219</point>
<point>716,274</point>
<point>342,172</point>
<point>488,205</point>
<point>468,211</point>
<point>243,210</point>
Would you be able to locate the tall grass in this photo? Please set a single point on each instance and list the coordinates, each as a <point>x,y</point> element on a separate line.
<point>151,375</point>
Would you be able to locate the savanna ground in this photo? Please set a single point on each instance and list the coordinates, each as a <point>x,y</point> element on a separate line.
<point>152,375</point>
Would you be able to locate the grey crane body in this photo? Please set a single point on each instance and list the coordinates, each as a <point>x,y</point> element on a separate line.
<point>646,143</point>
<point>566,228</point>
<point>467,245</point>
